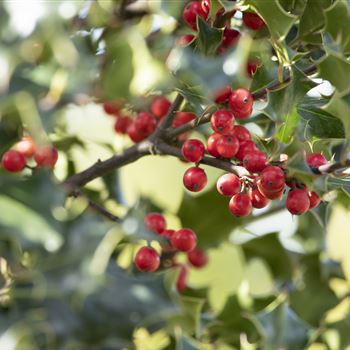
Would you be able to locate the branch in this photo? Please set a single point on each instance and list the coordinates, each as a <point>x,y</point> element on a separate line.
<point>100,209</point>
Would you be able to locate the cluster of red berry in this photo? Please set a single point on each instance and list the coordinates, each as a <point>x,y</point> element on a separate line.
<point>184,240</point>
<point>230,35</point>
<point>15,159</point>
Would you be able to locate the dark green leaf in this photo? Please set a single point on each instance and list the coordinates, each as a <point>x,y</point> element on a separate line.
<point>209,38</point>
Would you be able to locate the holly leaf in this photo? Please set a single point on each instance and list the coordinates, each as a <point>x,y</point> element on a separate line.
<point>209,38</point>
<point>285,131</point>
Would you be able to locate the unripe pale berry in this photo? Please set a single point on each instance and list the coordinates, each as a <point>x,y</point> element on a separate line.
<point>258,199</point>
<point>222,121</point>
<point>191,11</point>
<point>212,143</point>
<point>240,205</point>
<point>46,156</point>
<point>155,222</point>
<point>13,161</point>
<point>193,150</point>
<point>147,259</point>
<point>246,147</point>
<point>227,146</point>
<point>228,185</point>
<point>255,161</point>
<point>121,124</point>
<point>222,95</point>
<point>145,123</point>
<point>197,258</point>
<point>195,179</point>
<point>185,40</point>
<point>315,160</point>
<point>26,146</point>
<point>241,100</point>
<point>253,21</point>
<point>272,179</point>
<point>297,202</point>
<point>160,107</point>
<point>314,199</point>
<point>183,118</point>
<point>241,132</point>
<point>184,240</point>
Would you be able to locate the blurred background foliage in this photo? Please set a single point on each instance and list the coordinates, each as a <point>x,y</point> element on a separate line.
<point>67,280</point>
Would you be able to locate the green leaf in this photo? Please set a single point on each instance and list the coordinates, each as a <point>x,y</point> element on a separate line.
<point>335,69</point>
<point>312,19</point>
<point>228,5</point>
<point>335,183</point>
<point>283,329</point>
<point>209,38</point>
<point>276,18</point>
<point>286,130</point>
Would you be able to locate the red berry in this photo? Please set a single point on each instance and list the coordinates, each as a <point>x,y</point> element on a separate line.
<point>13,161</point>
<point>314,199</point>
<point>230,37</point>
<point>211,144</point>
<point>195,179</point>
<point>253,21</point>
<point>240,205</point>
<point>228,185</point>
<point>206,6</point>
<point>197,258</point>
<point>222,95</point>
<point>145,123</point>
<point>227,146</point>
<point>315,160</point>
<point>190,13</point>
<point>241,101</point>
<point>147,259</point>
<point>181,279</point>
<point>183,118</point>
<point>160,107</point>
<point>155,222</point>
<point>134,133</point>
<point>243,114</point>
<point>258,199</point>
<point>168,234</point>
<point>111,107</point>
<point>193,150</point>
<point>244,148</point>
<point>185,40</point>
<point>297,202</point>
<point>184,240</point>
<point>26,146</point>
<point>46,156</point>
<point>270,194</point>
<point>222,121</point>
<point>252,67</point>
<point>121,124</point>
<point>272,179</point>
<point>255,161</point>
<point>241,133</point>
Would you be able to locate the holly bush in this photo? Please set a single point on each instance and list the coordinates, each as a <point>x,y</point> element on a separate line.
<point>175,174</point>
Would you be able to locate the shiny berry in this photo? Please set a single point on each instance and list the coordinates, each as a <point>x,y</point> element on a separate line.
<point>168,234</point>
<point>134,133</point>
<point>222,121</point>
<point>184,240</point>
<point>193,150</point>
<point>228,185</point>
<point>197,258</point>
<point>240,205</point>
<point>230,37</point>
<point>206,6</point>
<point>192,11</point>
<point>272,179</point>
<point>258,199</point>
<point>155,222</point>
<point>252,67</point>
<point>222,95</point>
<point>145,123</point>
<point>243,114</point>
<point>297,202</point>
<point>241,133</point>
<point>26,146</point>
<point>227,146</point>
<point>181,279</point>
<point>183,118</point>
<point>315,160</point>
<point>277,194</point>
<point>244,148</point>
<point>211,144</point>
<point>185,40</point>
<point>195,179</point>
<point>160,107</point>
<point>46,156</point>
<point>241,100</point>
<point>13,161</point>
<point>314,199</point>
<point>121,124</point>
<point>253,21</point>
<point>147,259</point>
<point>255,161</point>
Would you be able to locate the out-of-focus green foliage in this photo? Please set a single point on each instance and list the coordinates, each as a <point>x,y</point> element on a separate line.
<point>66,273</point>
